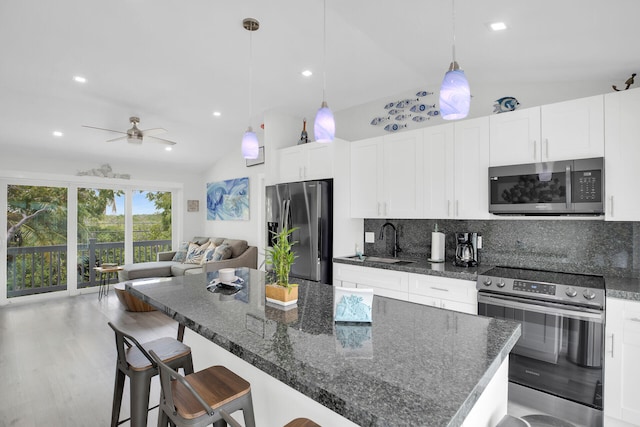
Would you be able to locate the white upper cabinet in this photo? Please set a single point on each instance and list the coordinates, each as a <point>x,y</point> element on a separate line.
<point>455,170</point>
<point>366,178</point>
<point>565,130</point>
<point>437,170</point>
<point>385,175</point>
<point>515,137</point>
<point>622,152</point>
<point>305,162</point>
<point>573,129</point>
<point>471,169</point>
<point>402,175</point>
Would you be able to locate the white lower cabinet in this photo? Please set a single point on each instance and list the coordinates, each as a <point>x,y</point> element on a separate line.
<point>443,292</point>
<point>385,283</point>
<point>622,364</point>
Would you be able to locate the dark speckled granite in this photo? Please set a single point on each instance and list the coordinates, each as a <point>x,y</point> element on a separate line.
<point>421,366</point>
<point>623,288</point>
<point>421,266</point>
<point>583,246</point>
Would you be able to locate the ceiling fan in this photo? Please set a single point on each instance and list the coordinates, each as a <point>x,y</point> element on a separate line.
<point>135,135</point>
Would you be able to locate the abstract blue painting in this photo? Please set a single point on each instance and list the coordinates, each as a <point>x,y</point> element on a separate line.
<point>228,200</point>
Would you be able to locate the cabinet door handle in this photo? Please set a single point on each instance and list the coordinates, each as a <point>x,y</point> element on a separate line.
<point>546,147</point>
<point>457,207</point>
<point>635,319</point>
<point>448,207</point>
<point>378,208</point>
<point>535,150</point>
<point>612,337</point>
<point>439,289</point>
<point>611,206</point>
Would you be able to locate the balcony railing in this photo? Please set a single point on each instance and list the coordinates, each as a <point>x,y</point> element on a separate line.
<point>39,269</point>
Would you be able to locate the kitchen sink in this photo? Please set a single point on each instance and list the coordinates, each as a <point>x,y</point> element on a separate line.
<point>380,260</point>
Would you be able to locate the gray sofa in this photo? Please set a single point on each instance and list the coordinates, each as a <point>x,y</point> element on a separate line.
<point>242,255</point>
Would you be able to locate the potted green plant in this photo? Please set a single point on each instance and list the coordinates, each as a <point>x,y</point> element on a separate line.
<point>281,257</point>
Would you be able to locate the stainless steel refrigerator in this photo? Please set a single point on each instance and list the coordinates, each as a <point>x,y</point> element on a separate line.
<point>308,206</point>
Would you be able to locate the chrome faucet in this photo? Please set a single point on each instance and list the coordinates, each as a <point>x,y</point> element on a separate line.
<point>396,248</point>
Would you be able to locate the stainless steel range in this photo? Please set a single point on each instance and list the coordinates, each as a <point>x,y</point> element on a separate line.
<point>556,366</point>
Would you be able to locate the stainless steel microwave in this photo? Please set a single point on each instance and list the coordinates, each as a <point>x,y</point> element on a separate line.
<point>567,187</point>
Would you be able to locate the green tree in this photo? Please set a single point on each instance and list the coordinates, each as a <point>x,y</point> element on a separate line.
<point>162,202</point>
<point>36,215</point>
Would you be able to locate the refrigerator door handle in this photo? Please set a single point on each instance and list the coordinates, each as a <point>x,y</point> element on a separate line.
<point>319,238</point>
<point>286,215</point>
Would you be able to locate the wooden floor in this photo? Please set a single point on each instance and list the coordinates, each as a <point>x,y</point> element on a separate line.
<point>57,360</point>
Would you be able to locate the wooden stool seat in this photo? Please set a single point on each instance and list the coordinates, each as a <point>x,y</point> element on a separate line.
<point>302,422</point>
<point>202,398</point>
<point>216,385</point>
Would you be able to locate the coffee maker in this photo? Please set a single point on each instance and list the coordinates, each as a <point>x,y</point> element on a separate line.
<point>466,250</point>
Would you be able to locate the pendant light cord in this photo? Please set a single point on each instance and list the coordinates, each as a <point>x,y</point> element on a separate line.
<point>324,49</point>
<point>250,75</point>
<point>453,18</point>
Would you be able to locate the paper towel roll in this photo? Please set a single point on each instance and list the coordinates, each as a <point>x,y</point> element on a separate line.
<point>437,246</point>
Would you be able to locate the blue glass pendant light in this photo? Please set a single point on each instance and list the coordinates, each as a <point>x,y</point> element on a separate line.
<point>324,126</point>
<point>250,145</point>
<point>455,95</point>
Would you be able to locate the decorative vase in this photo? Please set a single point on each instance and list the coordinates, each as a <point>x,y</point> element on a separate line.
<point>282,296</point>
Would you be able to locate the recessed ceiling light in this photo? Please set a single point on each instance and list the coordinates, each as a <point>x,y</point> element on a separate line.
<point>57,133</point>
<point>498,26</point>
<point>79,79</point>
<point>168,148</point>
<point>217,113</point>
<point>307,73</point>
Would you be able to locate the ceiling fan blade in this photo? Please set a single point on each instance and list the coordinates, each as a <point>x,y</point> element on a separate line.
<point>117,139</point>
<point>108,130</point>
<point>154,131</point>
<point>160,140</point>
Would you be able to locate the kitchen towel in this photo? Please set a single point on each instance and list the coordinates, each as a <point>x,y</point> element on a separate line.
<point>437,246</point>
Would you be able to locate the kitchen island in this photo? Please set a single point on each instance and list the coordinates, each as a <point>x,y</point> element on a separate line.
<point>414,365</point>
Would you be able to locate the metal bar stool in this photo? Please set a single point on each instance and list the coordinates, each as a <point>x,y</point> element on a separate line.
<point>135,362</point>
<point>197,399</point>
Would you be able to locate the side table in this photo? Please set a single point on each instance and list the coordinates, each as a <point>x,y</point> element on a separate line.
<point>105,274</point>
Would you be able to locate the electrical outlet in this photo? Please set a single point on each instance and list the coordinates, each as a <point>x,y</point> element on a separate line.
<point>369,237</point>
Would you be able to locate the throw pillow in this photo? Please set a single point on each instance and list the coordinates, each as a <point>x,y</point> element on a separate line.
<point>222,252</point>
<point>181,253</point>
<point>195,253</point>
<point>208,254</point>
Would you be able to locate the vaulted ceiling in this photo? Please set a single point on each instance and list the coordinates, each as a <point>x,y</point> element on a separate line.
<point>173,63</point>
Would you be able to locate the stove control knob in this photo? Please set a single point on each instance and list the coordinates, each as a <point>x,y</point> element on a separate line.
<point>500,284</point>
<point>487,282</point>
<point>588,294</point>
<point>571,292</point>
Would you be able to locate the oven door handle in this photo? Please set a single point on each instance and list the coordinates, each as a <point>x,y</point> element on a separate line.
<point>544,307</point>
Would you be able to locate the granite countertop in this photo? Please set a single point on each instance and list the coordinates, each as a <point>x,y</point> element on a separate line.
<point>414,365</point>
<point>616,287</point>
<point>623,287</point>
<point>421,266</point>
